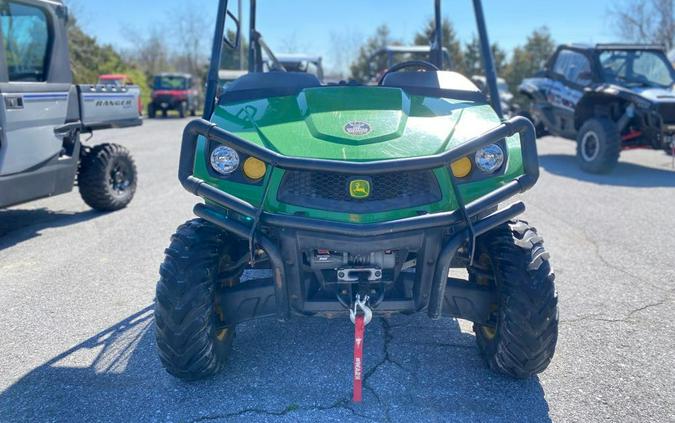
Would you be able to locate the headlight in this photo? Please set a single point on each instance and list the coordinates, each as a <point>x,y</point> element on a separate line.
<point>224,160</point>
<point>489,159</point>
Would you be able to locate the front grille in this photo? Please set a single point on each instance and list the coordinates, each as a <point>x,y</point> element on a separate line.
<point>667,112</point>
<point>330,191</point>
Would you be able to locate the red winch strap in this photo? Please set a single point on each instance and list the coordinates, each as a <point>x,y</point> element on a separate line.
<point>359,332</point>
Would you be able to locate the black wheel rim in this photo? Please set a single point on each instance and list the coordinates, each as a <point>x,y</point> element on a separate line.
<point>120,178</point>
<point>590,146</point>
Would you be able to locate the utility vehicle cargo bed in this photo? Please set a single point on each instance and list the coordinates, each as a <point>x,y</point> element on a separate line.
<point>107,107</point>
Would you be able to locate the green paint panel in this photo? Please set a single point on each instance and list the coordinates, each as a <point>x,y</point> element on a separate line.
<point>312,125</point>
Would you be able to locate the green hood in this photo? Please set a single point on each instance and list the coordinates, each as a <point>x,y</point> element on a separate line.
<point>385,123</point>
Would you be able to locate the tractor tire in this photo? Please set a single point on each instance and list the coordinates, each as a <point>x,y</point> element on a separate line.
<point>107,177</point>
<point>522,342</point>
<point>598,146</point>
<point>152,112</point>
<point>192,344</point>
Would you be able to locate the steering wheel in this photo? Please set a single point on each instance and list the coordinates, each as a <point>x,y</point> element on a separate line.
<point>417,64</point>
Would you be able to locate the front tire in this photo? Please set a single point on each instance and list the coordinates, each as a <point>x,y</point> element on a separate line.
<point>522,340</point>
<point>192,344</point>
<point>152,112</point>
<point>598,146</point>
<point>107,177</point>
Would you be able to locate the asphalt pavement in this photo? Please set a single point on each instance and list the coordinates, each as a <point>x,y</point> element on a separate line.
<point>76,324</point>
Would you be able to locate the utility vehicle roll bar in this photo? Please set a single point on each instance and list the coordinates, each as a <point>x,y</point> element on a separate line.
<point>256,46</point>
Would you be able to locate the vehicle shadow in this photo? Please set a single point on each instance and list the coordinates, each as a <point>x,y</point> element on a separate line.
<point>625,174</point>
<point>416,369</point>
<point>17,225</point>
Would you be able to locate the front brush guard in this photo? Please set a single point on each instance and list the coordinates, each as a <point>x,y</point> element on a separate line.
<point>466,214</point>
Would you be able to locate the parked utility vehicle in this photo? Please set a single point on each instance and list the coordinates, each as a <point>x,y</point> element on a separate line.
<point>355,195</point>
<point>173,91</point>
<point>508,106</point>
<point>43,114</point>
<point>386,57</point>
<point>298,62</point>
<point>114,79</point>
<point>609,97</point>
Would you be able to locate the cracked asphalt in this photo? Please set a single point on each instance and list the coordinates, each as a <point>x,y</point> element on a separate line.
<point>76,334</point>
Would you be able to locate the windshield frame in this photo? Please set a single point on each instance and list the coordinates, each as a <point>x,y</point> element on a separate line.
<point>629,62</point>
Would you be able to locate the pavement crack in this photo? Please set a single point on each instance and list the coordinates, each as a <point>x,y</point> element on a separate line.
<point>598,253</point>
<point>293,408</point>
<point>386,358</point>
<point>626,319</point>
<point>585,236</point>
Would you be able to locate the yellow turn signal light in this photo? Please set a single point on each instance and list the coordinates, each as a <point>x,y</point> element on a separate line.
<point>254,169</point>
<point>462,167</point>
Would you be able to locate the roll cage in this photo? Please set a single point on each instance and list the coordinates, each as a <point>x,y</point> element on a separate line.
<point>257,45</point>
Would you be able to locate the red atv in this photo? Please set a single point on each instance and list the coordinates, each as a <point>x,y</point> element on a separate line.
<point>173,91</point>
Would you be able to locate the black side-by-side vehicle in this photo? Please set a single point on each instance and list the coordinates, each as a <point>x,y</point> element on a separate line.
<point>609,97</point>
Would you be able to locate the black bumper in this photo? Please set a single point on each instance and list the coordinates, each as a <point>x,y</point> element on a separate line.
<point>469,220</point>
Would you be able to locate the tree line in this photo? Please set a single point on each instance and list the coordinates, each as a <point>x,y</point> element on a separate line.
<point>182,44</point>
<point>464,57</point>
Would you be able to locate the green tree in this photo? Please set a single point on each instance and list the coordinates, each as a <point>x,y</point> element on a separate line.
<point>528,59</point>
<point>230,58</point>
<point>473,60</point>
<point>89,59</point>
<point>362,67</point>
<point>450,42</point>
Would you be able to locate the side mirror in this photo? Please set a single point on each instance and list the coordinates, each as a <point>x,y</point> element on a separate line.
<point>233,43</point>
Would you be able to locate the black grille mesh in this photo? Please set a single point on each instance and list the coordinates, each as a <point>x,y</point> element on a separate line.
<point>330,191</point>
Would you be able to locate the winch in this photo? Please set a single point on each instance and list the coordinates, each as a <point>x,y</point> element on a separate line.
<point>351,268</point>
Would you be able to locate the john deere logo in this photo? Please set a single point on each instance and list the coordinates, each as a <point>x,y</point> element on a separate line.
<point>359,188</point>
<point>357,128</point>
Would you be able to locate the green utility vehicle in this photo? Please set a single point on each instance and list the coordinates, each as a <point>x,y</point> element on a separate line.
<point>351,194</point>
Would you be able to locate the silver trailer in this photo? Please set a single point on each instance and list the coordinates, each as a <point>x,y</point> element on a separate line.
<point>42,115</point>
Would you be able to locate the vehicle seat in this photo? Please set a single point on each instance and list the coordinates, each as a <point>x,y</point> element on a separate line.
<point>259,85</point>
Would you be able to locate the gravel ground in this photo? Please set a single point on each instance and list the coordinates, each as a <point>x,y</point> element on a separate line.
<point>77,335</point>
